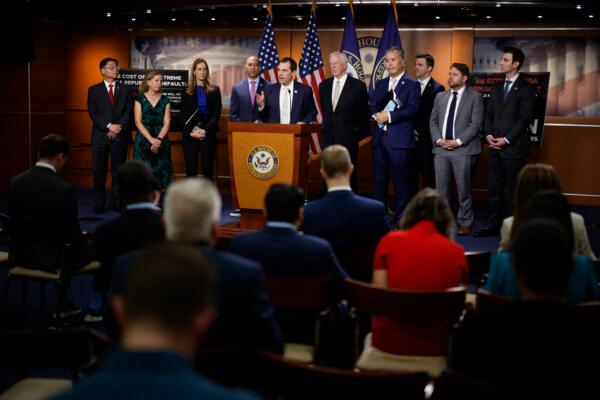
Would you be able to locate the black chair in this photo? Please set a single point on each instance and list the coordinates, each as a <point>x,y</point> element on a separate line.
<point>286,379</point>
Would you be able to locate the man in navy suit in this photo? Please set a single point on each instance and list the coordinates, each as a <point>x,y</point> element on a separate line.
<point>245,317</point>
<point>284,252</point>
<point>423,160</point>
<point>343,218</point>
<point>242,106</point>
<point>394,138</point>
<point>345,108</point>
<point>110,108</point>
<point>288,101</point>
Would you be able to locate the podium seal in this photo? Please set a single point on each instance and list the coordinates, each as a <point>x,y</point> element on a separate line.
<point>263,162</point>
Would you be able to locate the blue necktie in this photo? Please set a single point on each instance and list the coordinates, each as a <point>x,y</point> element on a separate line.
<point>450,120</point>
<point>506,90</point>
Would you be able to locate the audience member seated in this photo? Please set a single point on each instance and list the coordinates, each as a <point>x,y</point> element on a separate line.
<point>346,220</point>
<point>245,317</point>
<point>165,310</point>
<point>284,252</point>
<point>43,217</point>
<point>532,179</point>
<point>420,257</point>
<point>540,343</point>
<point>137,227</point>
<point>582,283</point>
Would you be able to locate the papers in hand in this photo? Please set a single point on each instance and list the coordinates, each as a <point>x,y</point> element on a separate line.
<point>390,106</point>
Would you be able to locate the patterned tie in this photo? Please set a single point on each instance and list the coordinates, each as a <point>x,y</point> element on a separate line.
<point>111,95</point>
<point>506,90</point>
<point>252,91</point>
<point>336,94</point>
<point>450,120</point>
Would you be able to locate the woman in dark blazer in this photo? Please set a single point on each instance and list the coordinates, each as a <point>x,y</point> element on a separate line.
<point>200,115</point>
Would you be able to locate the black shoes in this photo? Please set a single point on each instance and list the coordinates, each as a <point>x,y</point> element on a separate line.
<point>487,231</point>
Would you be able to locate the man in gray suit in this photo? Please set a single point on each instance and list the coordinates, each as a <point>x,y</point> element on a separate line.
<point>455,120</point>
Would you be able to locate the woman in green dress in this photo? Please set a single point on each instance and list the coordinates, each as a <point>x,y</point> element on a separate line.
<point>152,113</point>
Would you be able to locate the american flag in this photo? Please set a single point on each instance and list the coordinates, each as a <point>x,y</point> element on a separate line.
<point>267,52</point>
<point>311,70</point>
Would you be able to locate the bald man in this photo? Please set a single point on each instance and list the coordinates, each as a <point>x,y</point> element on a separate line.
<point>242,106</point>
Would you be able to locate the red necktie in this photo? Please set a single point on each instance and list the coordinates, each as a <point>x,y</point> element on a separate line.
<point>111,95</point>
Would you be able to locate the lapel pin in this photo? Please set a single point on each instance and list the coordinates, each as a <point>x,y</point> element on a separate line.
<point>295,91</point>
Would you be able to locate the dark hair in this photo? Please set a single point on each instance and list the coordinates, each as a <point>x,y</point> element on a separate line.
<point>136,182</point>
<point>542,257</point>
<point>293,64</point>
<point>531,179</point>
<point>283,201</point>
<point>398,49</point>
<point>554,206</point>
<point>428,59</point>
<point>170,284</point>
<point>429,205</point>
<point>52,145</point>
<point>517,55</point>
<point>462,68</point>
<point>335,160</point>
<point>105,61</point>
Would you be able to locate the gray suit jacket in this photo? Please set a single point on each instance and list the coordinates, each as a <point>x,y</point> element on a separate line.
<point>468,122</point>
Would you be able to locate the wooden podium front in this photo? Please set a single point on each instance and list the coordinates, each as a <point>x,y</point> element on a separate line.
<point>259,156</point>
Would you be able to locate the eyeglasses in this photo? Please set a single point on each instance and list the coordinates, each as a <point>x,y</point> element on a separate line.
<point>112,68</point>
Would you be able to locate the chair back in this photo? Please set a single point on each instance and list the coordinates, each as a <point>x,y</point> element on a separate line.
<point>479,266</point>
<point>410,306</point>
<point>491,301</point>
<point>357,260</point>
<point>28,349</point>
<point>300,292</point>
<point>287,379</point>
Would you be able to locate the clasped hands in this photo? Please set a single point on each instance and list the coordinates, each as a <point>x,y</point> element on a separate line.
<point>198,133</point>
<point>381,117</point>
<point>448,144</point>
<point>495,143</point>
<point>113,131</point>
<point>155,144</point>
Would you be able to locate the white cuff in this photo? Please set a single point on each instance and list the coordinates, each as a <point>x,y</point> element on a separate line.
<point>507,142</point>
<point>389,117</point>
<point>458,142</point>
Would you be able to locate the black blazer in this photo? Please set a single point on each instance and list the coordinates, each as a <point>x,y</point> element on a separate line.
<point>103,112</point>
<point>511,119</point>
<point>132,230</point>
<point>209,121</point>
<point>351,117</point>
<point>43,217</point>
<point>424,112</point>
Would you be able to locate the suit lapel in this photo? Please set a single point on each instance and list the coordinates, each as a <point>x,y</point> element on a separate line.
<point>515,86</point>
<point>345,90</point>
<point>444,105</point>
<point>400,85</point>
<point>277,90</point>
<point>463,100</point>
<point>295,98</point>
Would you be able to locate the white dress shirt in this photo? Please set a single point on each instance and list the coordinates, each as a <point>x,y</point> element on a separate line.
<point>424,83</point>
<point>289,92</point>
<point>458,97</point>
<point>342,81</point>
<point>45,165</point>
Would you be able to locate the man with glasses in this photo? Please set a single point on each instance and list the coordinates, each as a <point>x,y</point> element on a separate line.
<point>110,108</point>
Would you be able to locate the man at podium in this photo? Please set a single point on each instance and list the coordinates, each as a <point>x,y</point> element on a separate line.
<point>288,101</point>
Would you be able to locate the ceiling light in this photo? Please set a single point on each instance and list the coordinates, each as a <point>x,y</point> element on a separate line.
<point>343,18</point>
<point>591,16</point>
<point>173,19</point>
<point>437,17</point>
<point>498,5</point>
<point>337,5</point>
<point>255,19</point>
<point>299,18</point>
<point>132,19</point>
<point>578,6</point>
<point>108,14</point>
<point>488,17</point>
<point>213,19</point>
<point>540,17</point>
<point>148,11</point>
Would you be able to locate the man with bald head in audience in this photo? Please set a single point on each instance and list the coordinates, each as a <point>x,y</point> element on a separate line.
<point>342,217</point>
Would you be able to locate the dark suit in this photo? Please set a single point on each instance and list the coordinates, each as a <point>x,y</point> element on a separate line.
<point>132,230</point>
<point>245,319</point>
<point>208,121</point>
<point>303,107</point>
<point>509,119</point>
<point>43,217</point>
<point>349,120</point>
<point>103,112</point>
<point>392,148</point>
<point>423,160</point>
<point>241,108</point>
<point>287,253</point>
<point>530,346</point>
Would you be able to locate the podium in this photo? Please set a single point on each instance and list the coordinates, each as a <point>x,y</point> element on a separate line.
<point>259,156</point>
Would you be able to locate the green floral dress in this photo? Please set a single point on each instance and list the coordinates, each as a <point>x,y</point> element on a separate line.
<point>152,118</point>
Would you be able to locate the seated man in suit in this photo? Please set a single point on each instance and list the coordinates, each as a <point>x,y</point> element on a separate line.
<point>346,220</point>
<point>286,253</point>
<point>539,343</point>
<point>165,310</point>
<point>138,226</point>
<point>245,317</point>
<point>288,101</point>
<point>43,218</point>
